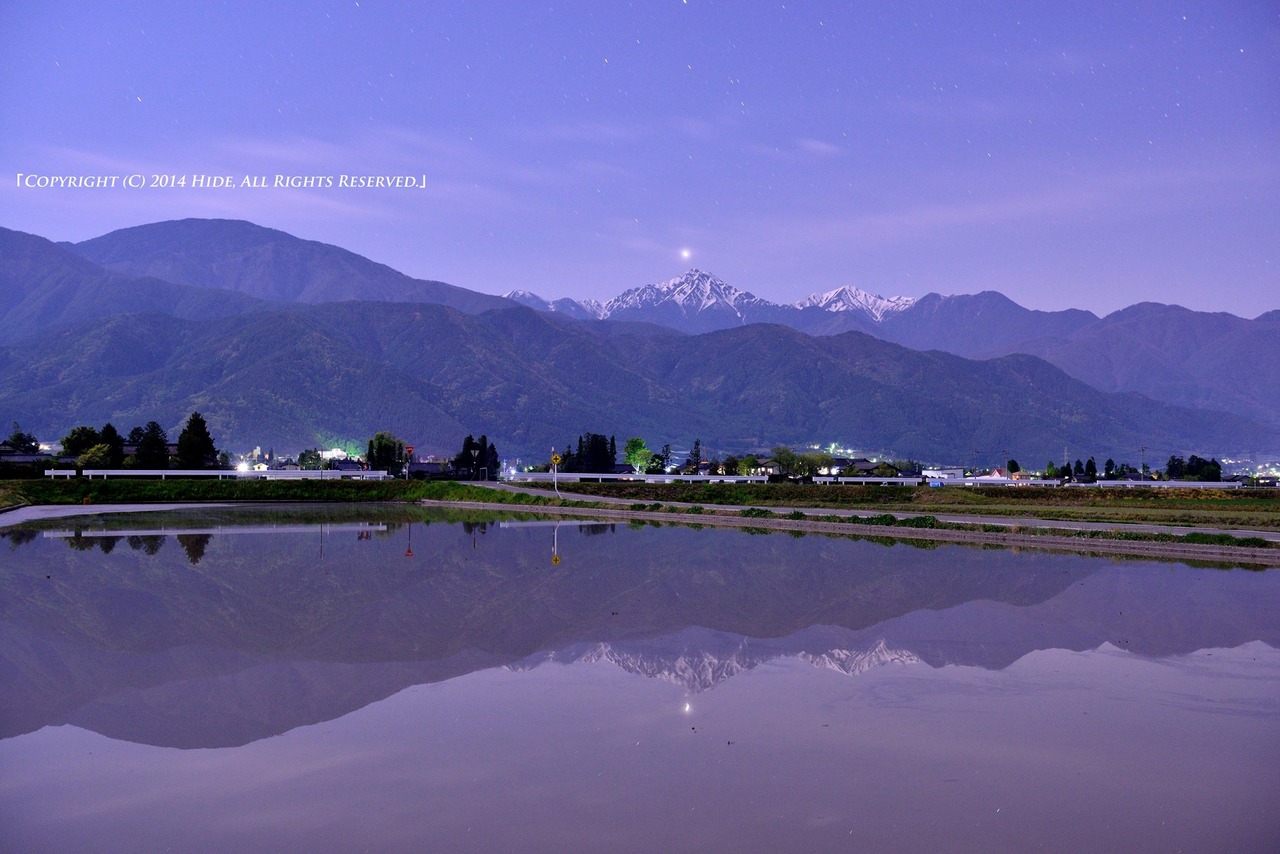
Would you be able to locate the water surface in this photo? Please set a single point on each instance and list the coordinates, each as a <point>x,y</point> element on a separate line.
<point>387,679</point>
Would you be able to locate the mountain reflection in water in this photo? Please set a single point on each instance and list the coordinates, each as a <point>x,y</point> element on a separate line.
<point>193,637</point>
<point>393,679</point>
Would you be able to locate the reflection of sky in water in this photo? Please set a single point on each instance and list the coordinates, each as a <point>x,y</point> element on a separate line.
<point>1029,701</point>
<point>1064,750</point>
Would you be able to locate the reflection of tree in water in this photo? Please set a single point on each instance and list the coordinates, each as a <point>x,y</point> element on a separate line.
<point>80,543</point>
<point>597,528</point>
<point>475,527</point>
<point>194,545</point>
<point>18,538</point>
<point>149,544</point>
<point>106,544</point>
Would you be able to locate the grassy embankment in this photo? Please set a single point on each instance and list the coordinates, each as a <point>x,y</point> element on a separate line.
<point>15,493</point>
<point>1259,509</point>
<point>1247,509</point>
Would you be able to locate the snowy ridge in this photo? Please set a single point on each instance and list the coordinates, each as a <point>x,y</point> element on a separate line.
<point>854,299</point>
<point>853,662</point>
<point>699,670</point>
<point>582,309</point>
<point>696,298</point>
<point>694,292</point>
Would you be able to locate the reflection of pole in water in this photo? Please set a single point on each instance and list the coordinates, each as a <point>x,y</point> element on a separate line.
<point>555,545</point>
<point>409,551</point>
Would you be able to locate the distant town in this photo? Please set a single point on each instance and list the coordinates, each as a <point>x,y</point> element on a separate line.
<point>148,451</point>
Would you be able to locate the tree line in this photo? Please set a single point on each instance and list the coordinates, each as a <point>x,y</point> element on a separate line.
<point>1177,468</point>
<point>105,447</point>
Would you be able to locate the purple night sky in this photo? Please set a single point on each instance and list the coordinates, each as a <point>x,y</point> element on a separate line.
<point>1090,155</point>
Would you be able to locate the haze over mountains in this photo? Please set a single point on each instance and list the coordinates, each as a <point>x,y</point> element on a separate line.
<point>283,341</point>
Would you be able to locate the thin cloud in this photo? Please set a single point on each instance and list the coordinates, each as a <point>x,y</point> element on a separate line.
<point>817,146</point>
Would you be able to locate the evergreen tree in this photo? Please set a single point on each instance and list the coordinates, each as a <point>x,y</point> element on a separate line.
<point>23,443</point>
<point>1109,468</point>
<point>153,447</point>
<point>195,445</point>
<point>1091,468</point>
<point>596,453</point>
<point>194,545</point>
<point>386,452</point>
<point>1012,467</point>
<point>694,461</point>
<point>1201,469</point>
<point>111,437</point>
<point>1079,471</point>
<point>463,459</point>
<point>493,463</point>
<point>481,461</point>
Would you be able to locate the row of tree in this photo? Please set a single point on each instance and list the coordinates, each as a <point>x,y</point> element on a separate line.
<point>1193,468</point>
<point>105,448</point>
<point>595,453</point>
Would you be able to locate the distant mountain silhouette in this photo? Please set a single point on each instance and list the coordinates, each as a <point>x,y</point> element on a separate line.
<point>288,342</point>
<point>530,381</point>
<point>44,286</point>
<point>266,263</point>
<point>1194,358</point>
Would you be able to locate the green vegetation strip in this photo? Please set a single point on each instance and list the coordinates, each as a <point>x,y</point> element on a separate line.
<point>1235,551</point>
<point>933,523</point>
<point>1244,508</point>
<point>178,490</point>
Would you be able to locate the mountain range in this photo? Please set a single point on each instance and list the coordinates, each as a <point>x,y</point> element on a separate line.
<point>1198,359</point>
<point>278,340</point>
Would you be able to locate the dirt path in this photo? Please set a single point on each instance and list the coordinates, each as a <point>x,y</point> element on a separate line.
<point>1010,538</point>
<point>1010,522</point>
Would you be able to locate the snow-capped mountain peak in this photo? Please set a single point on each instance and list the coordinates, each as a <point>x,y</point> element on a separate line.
<point>587,309</point>
<point>528,298</point>
<point>698,301</point>
<point>849,298</point>
<point>693,292</point>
